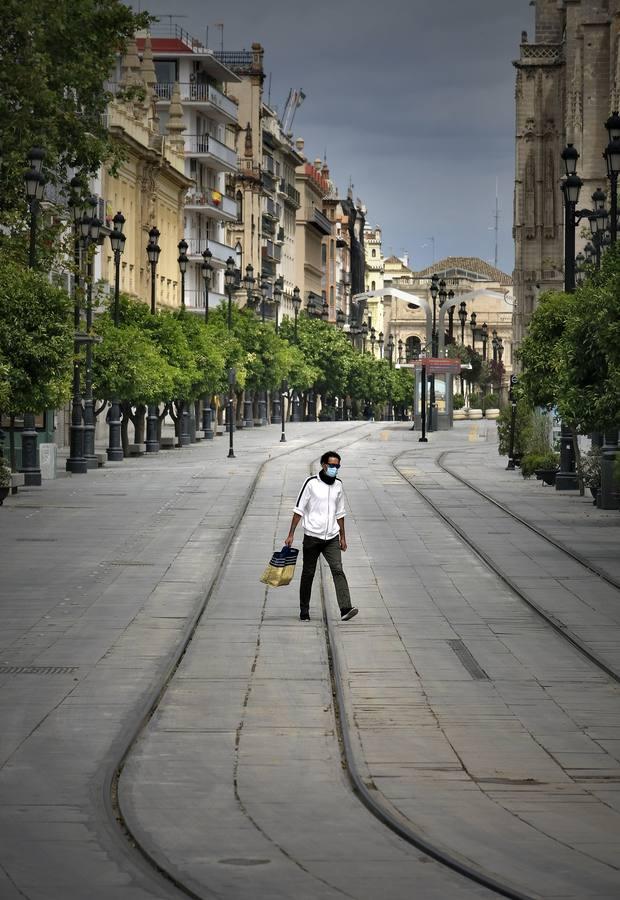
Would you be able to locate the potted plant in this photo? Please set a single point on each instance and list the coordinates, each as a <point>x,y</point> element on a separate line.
<point>458,411</point>
<point>543,465</point>
<point>5,481</point>
<point>591,470</point>
<point>490,406</point>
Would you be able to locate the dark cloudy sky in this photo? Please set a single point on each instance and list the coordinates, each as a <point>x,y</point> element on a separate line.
<point>411,99</point>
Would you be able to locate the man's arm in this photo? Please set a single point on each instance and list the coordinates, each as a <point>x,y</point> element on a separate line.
<point>291,534</point>
<point>343,540</point>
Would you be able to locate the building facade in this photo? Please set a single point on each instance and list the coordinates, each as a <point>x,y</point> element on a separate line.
<point>264,185</point>
<point>148,187</point>
<point>193,109</point>
<point>486,291</point>
<point>315,247</point>
<point>567,83</point>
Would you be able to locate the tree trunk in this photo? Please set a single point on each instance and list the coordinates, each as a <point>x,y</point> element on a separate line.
<point>138,423</point>
<point>125,420</point>
<point>575,440</point>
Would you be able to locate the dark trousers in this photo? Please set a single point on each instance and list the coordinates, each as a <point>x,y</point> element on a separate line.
<point>313,547</point>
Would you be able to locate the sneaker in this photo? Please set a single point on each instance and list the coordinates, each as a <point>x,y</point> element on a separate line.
<point>304,616</point>
<point>346,614</point>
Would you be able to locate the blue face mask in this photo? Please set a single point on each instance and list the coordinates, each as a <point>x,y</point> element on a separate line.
<point>332,471</point>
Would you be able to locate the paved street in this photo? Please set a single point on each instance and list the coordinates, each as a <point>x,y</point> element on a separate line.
<point>469,719</point>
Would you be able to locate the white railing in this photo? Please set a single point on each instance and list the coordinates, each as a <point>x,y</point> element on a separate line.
<point>197,246</point>
<point>194,92</point>
<point>206,145</point>
<point>211,199</point>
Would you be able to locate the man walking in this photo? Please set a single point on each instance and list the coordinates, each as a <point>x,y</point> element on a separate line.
<point>321,506</point>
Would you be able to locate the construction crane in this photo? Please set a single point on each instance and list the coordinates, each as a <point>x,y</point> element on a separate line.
<point>294,101</point>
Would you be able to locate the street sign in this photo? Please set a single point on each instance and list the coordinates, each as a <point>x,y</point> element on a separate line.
<point>439,365</point>
<point>514,379</point>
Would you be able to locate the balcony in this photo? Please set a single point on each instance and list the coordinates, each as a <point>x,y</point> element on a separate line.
<point>195,300</point>
<point>289,193</point>
<point>269,227</point>
<point>272,209</point>
<point>221,252</point>
<point>212,151</point>
<point>200,96</point>
<point>313,216</point>
<point>213,203</point>
<point>271,252</point>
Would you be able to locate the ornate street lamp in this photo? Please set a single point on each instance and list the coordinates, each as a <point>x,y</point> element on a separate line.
<point>380,342</point>
<point>364,335</point>
<point>35,187</point>
<point>76,464</point>
<point>264,291</point>
<point>207,413</point>
<point>114,450</point>
<point>373,338</point>
<point>484,334</point>
<point>450,317</point>
<point>434,291</point>
<point>462,319</point>
<point>207,272</point>
<point>390,353</point>
<point>612,158</point>
<point>90,239</point>
<point>472,325</point>
<point>248,282</point>
<point>296,411</point>
<point>229,283</point>
<point>325,311</point>
<point>152,418</point>
<point>277,403</point>
<point>182,261</point>
<point>400,351</point>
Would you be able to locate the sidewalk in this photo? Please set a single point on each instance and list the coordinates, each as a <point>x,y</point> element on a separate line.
<point>470,719</point>
<point>102,576</point>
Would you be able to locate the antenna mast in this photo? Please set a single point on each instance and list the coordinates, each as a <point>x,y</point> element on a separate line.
<point>496,222</point>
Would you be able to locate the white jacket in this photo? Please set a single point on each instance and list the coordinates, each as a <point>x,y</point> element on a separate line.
<point>320,505</point>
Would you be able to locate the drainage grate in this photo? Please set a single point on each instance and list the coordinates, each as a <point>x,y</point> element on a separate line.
<point>38,670</point>
<point>468,661</point>
<point>127,562</point>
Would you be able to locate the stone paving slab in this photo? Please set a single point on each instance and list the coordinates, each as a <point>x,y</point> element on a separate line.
<point>102,573</point>
<point>247,793</point>
<point>527,725</point>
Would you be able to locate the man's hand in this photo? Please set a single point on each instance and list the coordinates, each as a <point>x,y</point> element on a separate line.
<point>343,543</point>
<point>289,539</point>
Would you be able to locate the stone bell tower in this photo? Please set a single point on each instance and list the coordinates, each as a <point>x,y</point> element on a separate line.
<point>567,84</point>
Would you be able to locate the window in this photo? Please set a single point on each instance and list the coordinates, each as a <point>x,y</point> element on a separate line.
<point>413,345</point>
<point>372,285</point>
<point>374,253</point>
<point>165,71</point>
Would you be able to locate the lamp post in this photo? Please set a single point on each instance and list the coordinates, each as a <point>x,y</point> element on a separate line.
<point>495,344</point>
<point>484,334</point>
<point>117,240</point>
<point>152,417</point>
<point>262,395</point>
<point>249,282</point>
<point>91,238</point>
<point>229,282</point>
<point>462,319</point>
<point>612,158</point>
<point>380,342</point>
<point>450,318</point>
<point>182,261</point>
<point>373,338</point>
<point>296,412</point>
<point>325,311</point>
<point>364,335</point>
<point>283,395</point>
<point>390,353</point>
<point>513,419</point>
<point>400,351</point>
<point>207,272</point>
<point>571,186</point>
<point>76,464</point>
<point>207,413</point>
<point>183,406</point>
<point>276,403</point>
<point>34,182</point>
<point>472,325</point>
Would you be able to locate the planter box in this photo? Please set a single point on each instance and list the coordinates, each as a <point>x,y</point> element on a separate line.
<point>459,414</point>
<point>546,475</point>
<point>475,413</point>
<point>492,413</point>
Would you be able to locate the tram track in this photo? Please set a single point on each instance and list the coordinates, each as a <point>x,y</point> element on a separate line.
<point>560,627</point>
<point>368,797</point>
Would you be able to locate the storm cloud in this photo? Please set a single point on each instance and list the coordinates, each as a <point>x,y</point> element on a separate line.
<point>411,100</point>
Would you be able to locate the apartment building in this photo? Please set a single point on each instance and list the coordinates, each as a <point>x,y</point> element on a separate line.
<point>146,186</point>
<point>193,109</point>
<point>312,230</point>
<point>373,256</point>
<point>336,254</point>
<point>264,185</point>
